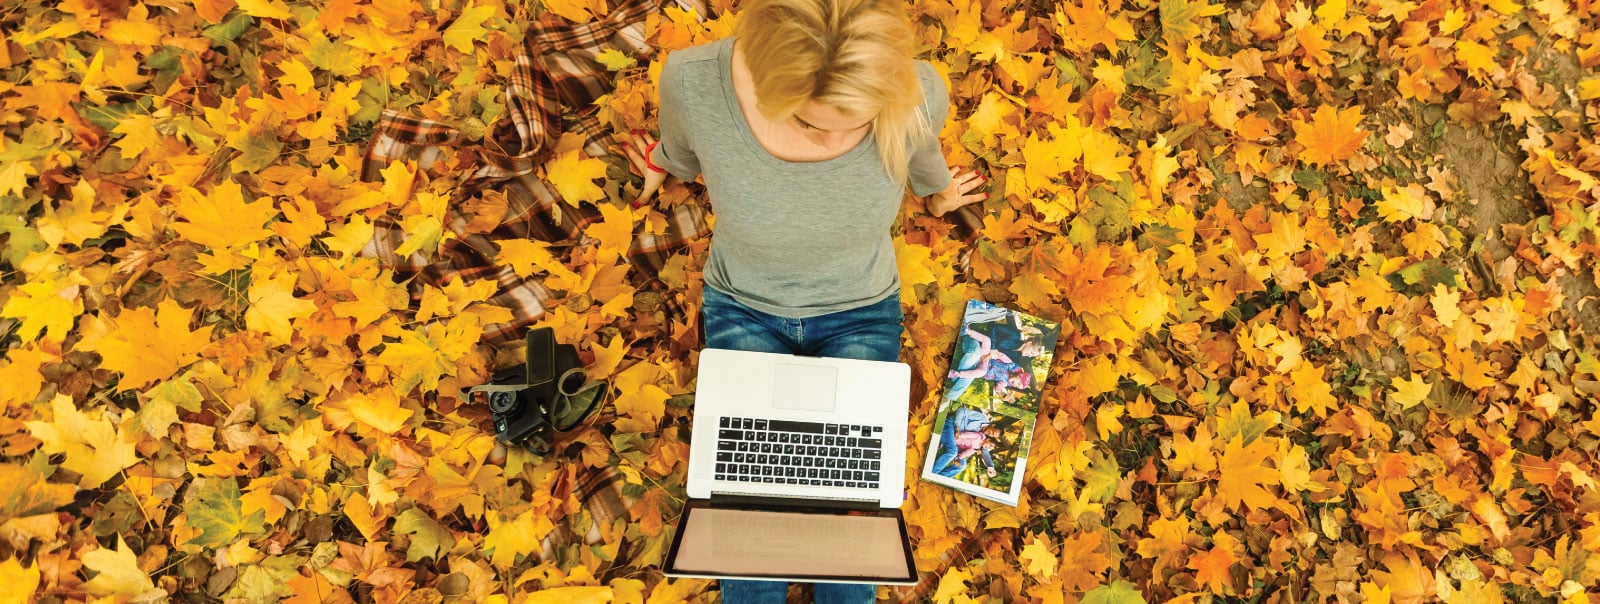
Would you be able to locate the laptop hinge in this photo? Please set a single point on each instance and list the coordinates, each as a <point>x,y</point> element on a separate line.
<point>792,503</point>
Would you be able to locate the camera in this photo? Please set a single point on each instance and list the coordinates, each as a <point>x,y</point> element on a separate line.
<point>531,402</point>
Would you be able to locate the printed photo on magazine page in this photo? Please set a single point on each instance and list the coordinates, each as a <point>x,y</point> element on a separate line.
<point>984,423</point>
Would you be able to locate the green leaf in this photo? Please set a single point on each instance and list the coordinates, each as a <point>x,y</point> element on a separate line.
<point>428,538</point>
<point>257,152</point>
<point>161,404</point>
<point>231,27</point>
<point>1119,592</point>
<point>1100,480</point>
<point>267,581</point>
<point>332,56</point>
<point>214,507</point>
<point>27,492</point>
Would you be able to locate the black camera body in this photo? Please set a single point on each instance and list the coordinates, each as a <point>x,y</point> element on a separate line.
<point>523,400</point>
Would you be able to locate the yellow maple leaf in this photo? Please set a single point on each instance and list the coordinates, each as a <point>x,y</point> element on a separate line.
<point>374,298</point>
<point>1047,159</point>
<point>94,448</point>
<point>614,232</point>
<point>1038,559</point>
<point>349,238</point>
<point>1331,135</point>
<point>19,371</point>
<point>1409,392</point>
<point>1242,475</point>
<point>642,402</point>
<point>1309,391</point>
<point>510,539</point>
<point>20,581</point>
<point>117,572</point>
<point>380,409</point>
<point>1404,203</point>
<point>296,76</point>
<point>573,176</point>
<point>223,220</point>
<point>49,306</point>
<point>952,584</point>
<point>152,345</point>
<point>273,306</point>
<point>75,221</point>
<point>573,594</point>
<point>1375,594</point>
<point>266,9</point>
<point>422,356</point>
<point>468,27</point>
<point>138,132</point>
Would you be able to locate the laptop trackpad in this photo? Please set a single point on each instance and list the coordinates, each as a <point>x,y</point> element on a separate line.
<point>804,387</point>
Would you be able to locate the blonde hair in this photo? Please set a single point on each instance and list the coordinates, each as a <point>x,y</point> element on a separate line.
<point>853,55</point>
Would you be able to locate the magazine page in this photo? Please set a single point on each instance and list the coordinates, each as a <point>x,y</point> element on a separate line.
<point>984,423</point>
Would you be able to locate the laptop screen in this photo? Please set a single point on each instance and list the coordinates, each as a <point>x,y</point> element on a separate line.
<point>781,544</point>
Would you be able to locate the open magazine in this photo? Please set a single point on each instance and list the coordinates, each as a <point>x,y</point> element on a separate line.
<point>984,424</point>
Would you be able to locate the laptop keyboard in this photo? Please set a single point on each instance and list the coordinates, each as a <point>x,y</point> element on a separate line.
<point>800,453</point>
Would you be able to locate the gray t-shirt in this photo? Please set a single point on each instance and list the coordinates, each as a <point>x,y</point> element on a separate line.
<point>793,239</point>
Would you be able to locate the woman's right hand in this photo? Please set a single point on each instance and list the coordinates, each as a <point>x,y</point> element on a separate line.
<point>637,149</point>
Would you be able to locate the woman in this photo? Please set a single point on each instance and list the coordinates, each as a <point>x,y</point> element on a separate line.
<point>808,124</point>
<point>966,431</point>
<point>979,359</point>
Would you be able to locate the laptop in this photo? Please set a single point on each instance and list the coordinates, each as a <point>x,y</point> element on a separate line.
<point>796,471</point>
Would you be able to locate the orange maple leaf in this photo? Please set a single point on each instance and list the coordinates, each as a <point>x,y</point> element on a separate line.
<point>1330,136</point>
<point>1212,567</point>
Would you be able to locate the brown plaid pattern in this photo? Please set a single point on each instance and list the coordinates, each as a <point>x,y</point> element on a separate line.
<point>556,71</point>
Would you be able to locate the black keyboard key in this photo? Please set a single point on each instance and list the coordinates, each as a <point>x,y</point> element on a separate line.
<point>812,473</point>
<point>726,445</point>
<point>850,442</point>
<point>723,423</point>
<point>789,471</point>
<point>730,435</point>
<point>872,477</point>
<point>722,477</point>
<point>747,423</point>
<point>761,424</point>
<point>788,426</point>
<point>855,453</point>
<point>724,456</point>
<point>831,429</point>
<point>833,451</point>
<point>788,449</point>
<point>874,454</point>
<point>856,474</point>
<point>855,464</point>
<point>827,483</point>
<point>850,484</point>
<point>815,482</point>
<point>871,443</point>
<point>792,481</point>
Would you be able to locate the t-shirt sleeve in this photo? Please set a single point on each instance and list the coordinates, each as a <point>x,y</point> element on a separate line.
<point>675,152</point>
<point>928,171</point>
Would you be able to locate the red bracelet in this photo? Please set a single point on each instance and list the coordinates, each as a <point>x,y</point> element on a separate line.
<point>650,164</point>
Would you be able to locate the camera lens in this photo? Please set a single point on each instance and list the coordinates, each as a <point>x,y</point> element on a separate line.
<point>502,402</point>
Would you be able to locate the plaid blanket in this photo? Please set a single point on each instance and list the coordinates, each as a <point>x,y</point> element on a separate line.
<point>557,75</point>
<point>556,79</point>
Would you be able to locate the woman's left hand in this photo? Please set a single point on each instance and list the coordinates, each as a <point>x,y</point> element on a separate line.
<point>958,194</point>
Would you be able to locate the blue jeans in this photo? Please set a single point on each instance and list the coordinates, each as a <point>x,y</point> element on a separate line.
<point>948,449</point>
<point>869,333</point>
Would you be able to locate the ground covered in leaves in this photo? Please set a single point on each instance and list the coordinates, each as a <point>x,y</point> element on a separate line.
<point>1327,276</point>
